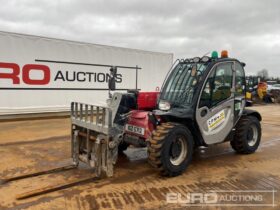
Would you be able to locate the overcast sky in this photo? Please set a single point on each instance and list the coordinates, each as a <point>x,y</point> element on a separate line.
<point>248,29</point>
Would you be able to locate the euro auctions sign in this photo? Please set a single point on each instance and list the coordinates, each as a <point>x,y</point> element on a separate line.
<point>59,75</point>
<point>18,75</point>
<point>41,74</point>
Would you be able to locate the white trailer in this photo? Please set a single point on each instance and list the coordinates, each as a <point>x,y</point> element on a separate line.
<point>43,75</point>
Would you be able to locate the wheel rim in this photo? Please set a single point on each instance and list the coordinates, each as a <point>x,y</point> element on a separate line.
<point>252,135</point>
<point>178,150</point>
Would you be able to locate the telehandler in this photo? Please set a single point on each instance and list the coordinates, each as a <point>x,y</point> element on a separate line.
<point>202,102</point>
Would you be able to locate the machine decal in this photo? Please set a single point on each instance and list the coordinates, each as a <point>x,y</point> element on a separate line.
<point>135,129</point>
<point>216,120</point>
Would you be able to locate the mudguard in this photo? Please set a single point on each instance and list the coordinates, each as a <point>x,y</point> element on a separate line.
<point>248,112</point>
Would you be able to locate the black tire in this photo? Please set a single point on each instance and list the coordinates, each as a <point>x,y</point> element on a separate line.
<point>247,135</point>
<point>122,146</point>
<point>170,140</point>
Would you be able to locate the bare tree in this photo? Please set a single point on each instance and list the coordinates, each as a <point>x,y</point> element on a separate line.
<point>263,74</point>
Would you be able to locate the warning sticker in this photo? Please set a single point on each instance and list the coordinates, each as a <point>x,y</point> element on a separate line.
<point>216,120</point>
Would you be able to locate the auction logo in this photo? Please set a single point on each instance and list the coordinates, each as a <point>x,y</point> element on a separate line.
<point>224,198</point>
<point>14,75</point>
<point>24,75</point>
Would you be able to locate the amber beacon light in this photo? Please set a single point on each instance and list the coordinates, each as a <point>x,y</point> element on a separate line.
<point>224,54</point>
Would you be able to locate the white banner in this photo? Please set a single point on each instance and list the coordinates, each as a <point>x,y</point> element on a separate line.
<point>40,74</point>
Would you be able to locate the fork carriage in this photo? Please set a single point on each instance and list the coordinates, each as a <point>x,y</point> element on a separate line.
<point>94,140</point>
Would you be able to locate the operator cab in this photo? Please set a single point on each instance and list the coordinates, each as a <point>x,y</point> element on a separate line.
<point>209,91</point>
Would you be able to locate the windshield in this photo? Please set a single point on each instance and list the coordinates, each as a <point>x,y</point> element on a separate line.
<point>181,83</point>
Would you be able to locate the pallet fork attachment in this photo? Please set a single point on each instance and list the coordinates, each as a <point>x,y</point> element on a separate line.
<point>95,137</point>
<point>94,141</point>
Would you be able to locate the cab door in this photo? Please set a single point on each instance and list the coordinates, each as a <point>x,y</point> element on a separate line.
<point>239,91</point>
<point>215,109</point>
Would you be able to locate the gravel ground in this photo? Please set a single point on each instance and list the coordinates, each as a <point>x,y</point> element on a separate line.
<point>30,146</point>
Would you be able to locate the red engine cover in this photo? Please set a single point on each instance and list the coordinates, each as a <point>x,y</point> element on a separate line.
<point>139,125</point>
<point>147,100</point>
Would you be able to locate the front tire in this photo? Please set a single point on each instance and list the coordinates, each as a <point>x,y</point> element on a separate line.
<point>171,148</point>
<point>247,135</point>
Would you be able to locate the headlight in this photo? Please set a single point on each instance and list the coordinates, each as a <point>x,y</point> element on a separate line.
<point>205,59</point>
<point>164,105</point>
<point>196,59</point>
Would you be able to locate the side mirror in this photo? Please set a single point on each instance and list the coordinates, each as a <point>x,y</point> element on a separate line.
<point>112,78</point>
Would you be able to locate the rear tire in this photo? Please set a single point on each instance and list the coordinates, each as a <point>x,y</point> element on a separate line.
<point>171,148</point>
<point>247,135</point>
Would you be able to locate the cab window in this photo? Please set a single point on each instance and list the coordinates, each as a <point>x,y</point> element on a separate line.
<point>239,80</point>
<point>218,86</point>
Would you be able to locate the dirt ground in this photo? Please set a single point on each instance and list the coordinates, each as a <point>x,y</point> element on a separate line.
<point>30,146</point>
